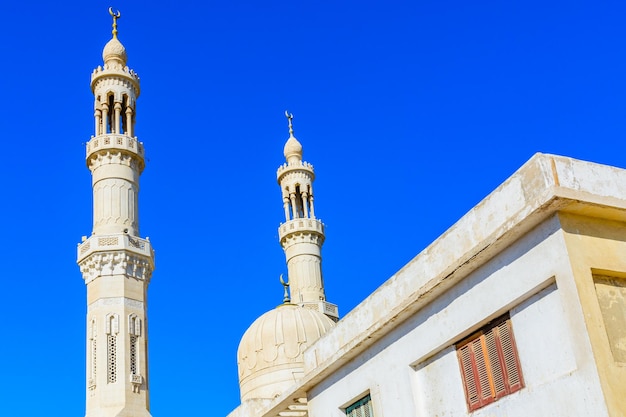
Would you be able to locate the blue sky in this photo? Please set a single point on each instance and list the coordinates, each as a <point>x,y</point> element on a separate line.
<point>410,111</point>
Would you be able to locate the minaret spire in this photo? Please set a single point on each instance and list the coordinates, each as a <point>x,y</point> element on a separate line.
<point>302,235</point>
<point>115,15</point>
<point>290,118</point>
<point>116,263</point>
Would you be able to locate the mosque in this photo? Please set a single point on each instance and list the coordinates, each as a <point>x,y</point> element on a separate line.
<point>518,309</point>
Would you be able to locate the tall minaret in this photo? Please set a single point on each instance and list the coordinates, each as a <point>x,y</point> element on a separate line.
<point>302,235</point>
<point>115,262</point>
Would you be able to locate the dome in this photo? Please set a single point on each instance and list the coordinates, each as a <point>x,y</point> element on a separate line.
<point>293,150</point>
<point>114,50</point>
<point>270,353</point>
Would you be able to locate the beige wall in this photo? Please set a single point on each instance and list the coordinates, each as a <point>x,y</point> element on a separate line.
<point>597,248</point>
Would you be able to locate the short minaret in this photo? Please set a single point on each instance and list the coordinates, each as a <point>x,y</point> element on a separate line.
<point>302,235</point>
<point>115,262</point>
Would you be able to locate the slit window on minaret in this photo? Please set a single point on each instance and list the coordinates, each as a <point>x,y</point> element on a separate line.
<point>111,356</point>
<point>124,121</point>
<point>134,329</point>
<point>306,195</point>
<point>133,355</point>
<point>92,354</point>
<point>98,116</point>
<point>299,207</point>
<point>110,121</point>
<point>112,328</point>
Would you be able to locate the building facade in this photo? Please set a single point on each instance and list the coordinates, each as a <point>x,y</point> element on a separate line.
<point>116,263</point>
<point>518,309</point>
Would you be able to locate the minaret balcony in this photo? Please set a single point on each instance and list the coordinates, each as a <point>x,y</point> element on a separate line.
<point>330,309</point>
<point>115,74</point>
<point>301,225</point>
<point>295,168</point>
<point>115,242</point>
<point>112,141</point>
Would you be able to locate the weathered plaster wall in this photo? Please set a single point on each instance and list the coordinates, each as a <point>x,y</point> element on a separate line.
<point>413,370</point>
<point>598,246</point>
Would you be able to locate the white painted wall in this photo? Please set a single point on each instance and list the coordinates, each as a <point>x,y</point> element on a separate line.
<point>413,370</point>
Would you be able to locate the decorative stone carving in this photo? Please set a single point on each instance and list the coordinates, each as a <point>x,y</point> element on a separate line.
<point>115,301</point>
<point>112,323</point>
<point>106,153</point>
<point>116,263</point>
<point>134,325</point>
<point>136,381</point>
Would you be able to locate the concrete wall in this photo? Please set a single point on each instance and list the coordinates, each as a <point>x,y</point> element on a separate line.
<point>413,370</point>
<point>597,248</point>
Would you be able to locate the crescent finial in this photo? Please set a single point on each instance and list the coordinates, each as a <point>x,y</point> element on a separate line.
<point>115,15</point>
<point>289,117</point>
<point>282,281</point>
<point>286,298</point>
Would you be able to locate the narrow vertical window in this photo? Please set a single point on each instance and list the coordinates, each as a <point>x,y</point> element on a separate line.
<point>361,408</point>
<point>133,355</point>
<point>123,119</point>
<point>298,209</point>
<point>134,330</point>
<point>489,364</point>
<point>91,384</point>
<point>110,125</point>
<point>112,328</point>
<point>111,356</point>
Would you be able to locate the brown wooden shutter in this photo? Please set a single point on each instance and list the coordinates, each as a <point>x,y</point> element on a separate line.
<point>469,376</point>
<point>497,365</point>
<point>489,364</point>
<point>484,371</point>
<point>510,357</point>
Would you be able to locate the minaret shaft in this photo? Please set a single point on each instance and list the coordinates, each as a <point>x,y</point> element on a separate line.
<point>115,262</point>
<point>308,286</point>
<point>115,194</point>
<point>302,241</point>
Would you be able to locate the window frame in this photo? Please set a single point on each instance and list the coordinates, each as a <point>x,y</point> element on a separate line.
<point>489,363</point>
<point>365,400</point>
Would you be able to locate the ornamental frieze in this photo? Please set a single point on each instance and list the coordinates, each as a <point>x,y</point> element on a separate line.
<point>115,263</point>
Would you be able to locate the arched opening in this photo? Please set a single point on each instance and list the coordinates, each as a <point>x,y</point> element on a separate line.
<point>125,103</point>
<point>299,207</point>
<point>110,120</point>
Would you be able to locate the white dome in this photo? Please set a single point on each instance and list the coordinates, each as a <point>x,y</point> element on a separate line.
<point>270,351</point>
<point>114,50</point>
<point>292,150</point>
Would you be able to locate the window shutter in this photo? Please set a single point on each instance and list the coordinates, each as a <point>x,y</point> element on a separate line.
<point>482,365</point>
<point>469,376</point>
<point>361,408</point>
<point>367,410</point>
<point>509,354</point>
<point>493,350</point>
<point>489,364</point>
